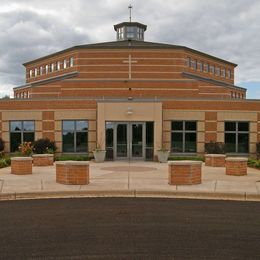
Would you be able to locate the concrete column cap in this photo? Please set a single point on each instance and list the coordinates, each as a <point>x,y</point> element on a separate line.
<point>184,162</point>
<point>236,159</point>
<point>215,155</point>
<point>72,163</point>
<point>43,155</point>
<point>21,159</point>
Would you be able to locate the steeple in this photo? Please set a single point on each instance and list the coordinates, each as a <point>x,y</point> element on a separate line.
<point>130,30</point>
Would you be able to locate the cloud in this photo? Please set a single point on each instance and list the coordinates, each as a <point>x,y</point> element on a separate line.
<point>32,28</point>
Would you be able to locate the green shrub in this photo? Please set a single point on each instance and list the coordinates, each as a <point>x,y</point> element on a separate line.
<point>5,162</point>
<point>215,148</point>
<point>44,145</point>
<point>66,157</point>
<point>253,163</point>
<point>183,158</point>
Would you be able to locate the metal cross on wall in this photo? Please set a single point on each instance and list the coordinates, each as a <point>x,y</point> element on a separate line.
<point>130,62</point>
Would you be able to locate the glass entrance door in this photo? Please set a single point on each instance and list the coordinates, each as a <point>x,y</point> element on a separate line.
<point>137,140</point>
<point>129,140</point>
<point>122,140</point>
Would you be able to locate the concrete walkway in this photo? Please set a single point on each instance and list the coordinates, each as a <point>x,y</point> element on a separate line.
<point>134,179</point>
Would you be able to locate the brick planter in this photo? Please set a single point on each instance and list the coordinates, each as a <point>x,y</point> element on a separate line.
<point>215,160</point>
<point>21,165</point>
<point>184,172</point>
<point>43,159</point>
<point>236,166</point>
<point>72,172</point>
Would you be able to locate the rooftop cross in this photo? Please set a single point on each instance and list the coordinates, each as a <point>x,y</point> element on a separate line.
<point>130,12</point>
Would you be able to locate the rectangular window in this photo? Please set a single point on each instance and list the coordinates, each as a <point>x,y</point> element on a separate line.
<point>237,137</point>
<point>229,73</point>
<point>217,71</point>
<point>64,64</point>
<point>21,131</point>
<point>58,65</point>
<point>130,31</point>
<point>46,69</point>
<point>189,62</point>
<point>212,69</point>
<point>195,64</point>
<point>206,67</point>
<point>224,73</point>
<point>52,67</point>
<point>71,61</point>
<point>201,66</point>
<point>184,136</point>
<point>75,136</point>
<point>30,73</point>
<point>35,72</point>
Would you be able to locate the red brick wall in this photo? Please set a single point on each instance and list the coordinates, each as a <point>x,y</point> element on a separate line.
<point>73,175</point>
<point>21,167</point>
<point>101,68</point>
<point>184,174</point>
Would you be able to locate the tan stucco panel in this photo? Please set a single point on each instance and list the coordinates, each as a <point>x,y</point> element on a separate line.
<point>38,126</point>
<point>5,126</point>
<point>38,135</point>
<point>183,115</point>
<point>220,137</point>
<point>58,136</point>
<point>6,137</point>
<point>220,126</point>
<point>238,116</point>
<point>166,137</point>
<point>57,125</point>
<point>253,127</point>
<point>75,114</point>
<point>200,137</point>
<point>166,125</point>
<point>200,147</point>
<point>253,137</point>
<point>252,148</point>
<point>92,125</point>
<point>130,112</point>
<point>21,115</point>
<point>201,126</point>
<point>91,136</point>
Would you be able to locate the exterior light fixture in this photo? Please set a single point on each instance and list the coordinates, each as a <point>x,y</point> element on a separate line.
<point>129,111</point>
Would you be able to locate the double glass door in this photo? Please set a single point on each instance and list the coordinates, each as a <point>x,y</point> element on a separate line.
<point>129,140</point>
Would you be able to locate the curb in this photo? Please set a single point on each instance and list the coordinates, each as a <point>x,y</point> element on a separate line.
<point>130,194</point>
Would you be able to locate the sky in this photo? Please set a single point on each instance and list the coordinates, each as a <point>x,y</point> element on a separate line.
<point>228,29</point>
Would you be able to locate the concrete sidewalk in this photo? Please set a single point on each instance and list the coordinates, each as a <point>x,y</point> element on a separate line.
<point>134,179</point>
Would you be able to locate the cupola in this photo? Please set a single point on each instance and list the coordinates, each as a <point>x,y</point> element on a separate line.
<point>130,30</point>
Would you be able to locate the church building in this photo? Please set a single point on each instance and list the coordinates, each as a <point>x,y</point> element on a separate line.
<point>131,97</point>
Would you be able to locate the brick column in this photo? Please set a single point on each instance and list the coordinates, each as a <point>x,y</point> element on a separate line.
<point>184,172</point>
<point>236,166</point>
<point>215,160</point>
<point>21,165</point>
<point>72,172</point>
<point>43,159</point>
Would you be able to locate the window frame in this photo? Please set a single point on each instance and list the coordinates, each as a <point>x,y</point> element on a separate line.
<point>71,61</point>
<point>237,132</point>
<point>184,132</point>
<point>75,131</point>
<point>22,131</point>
